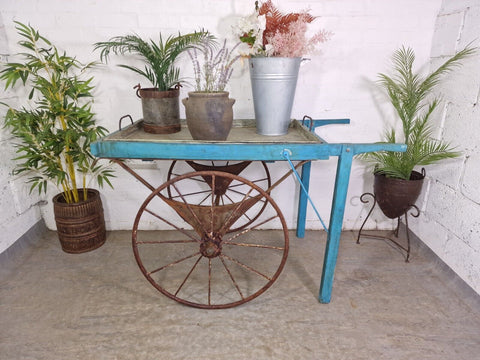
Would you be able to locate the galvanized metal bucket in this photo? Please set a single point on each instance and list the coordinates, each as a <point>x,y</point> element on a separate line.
<point>274,80</point>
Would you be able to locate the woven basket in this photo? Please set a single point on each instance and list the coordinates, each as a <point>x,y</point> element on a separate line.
<point>80,226</point>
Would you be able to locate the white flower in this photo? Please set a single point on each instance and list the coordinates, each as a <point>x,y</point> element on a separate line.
<point>253,26</point>
<point>269,50</point>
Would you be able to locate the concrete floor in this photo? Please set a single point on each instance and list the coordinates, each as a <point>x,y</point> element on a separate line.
<point>98,305</point>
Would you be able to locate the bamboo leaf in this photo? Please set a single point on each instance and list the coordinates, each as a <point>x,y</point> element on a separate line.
<point>53,131</point>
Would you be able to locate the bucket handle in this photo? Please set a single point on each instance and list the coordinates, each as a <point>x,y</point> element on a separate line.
<point>120,121</point>
<point>310,122</point>
<point>304,61</point>
<point>138,87</point>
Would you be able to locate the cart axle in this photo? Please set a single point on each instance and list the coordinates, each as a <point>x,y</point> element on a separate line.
<point>211,245</point>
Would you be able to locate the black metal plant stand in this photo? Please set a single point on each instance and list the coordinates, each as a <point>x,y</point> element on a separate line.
<point>395,232</point>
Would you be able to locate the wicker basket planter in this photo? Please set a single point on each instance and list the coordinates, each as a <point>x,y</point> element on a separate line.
<point>80,226</point>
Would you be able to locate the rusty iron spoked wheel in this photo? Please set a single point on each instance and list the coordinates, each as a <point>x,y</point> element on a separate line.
<point>256,171</point>
<point>196,260</point>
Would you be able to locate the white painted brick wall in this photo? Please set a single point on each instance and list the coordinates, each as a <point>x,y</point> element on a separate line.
<point>450,224</point>
<point>17,212</point>
<point>337,82</point>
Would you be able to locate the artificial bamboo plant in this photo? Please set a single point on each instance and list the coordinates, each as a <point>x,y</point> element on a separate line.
<point>159,57</point>
<point>56,124</point>
<point>411,96</point>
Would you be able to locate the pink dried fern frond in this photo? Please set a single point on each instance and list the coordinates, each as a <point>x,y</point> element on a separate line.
<point>294,42</point>
<point>277,22</point>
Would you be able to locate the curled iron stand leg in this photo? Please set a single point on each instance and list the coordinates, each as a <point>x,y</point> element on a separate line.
<point>395,232</point>
<point>363,200</point>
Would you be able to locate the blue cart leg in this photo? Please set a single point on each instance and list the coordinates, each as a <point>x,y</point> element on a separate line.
<point>344,166</point>
<point>303,201</point>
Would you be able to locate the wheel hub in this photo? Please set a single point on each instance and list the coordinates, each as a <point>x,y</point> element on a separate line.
<point>211,246</point>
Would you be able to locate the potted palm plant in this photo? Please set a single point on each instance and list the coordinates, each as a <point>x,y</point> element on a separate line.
<point>397,183</point>
<point>160,104</point>
<point>54,130</point>
<point>208,108</point>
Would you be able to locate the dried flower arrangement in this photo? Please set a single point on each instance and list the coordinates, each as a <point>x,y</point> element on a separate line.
<point>269,32</point>
<point>217,66</point>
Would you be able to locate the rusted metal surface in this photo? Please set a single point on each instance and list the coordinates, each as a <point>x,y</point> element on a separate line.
<point>210,268</point>
<point>394,235</point>
<point>396,196</point>
<point>259,176</point>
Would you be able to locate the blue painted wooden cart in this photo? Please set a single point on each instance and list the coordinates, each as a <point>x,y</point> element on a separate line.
<point>214,213</point>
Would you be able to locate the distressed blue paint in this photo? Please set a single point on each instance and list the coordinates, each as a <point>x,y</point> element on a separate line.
<point>302,201</point>
<point>266,151</point>
<point>304,190</point>
<point>211,151</point>
<point>317,123</point>
<point>228,151</point>
<point>342,178</point>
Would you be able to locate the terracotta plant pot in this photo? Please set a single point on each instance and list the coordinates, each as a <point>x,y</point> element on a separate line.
<point>396,196</point>
<point>80,226</point>
<point>209,115</point>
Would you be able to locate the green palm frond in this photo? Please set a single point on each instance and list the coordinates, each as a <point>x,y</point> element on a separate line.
<point>407,92</point>
<point>159,57</point>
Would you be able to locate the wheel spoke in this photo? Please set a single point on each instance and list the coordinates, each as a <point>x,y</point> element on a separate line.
<point>257,246</point>
<point>192,194</point>
<point>258,170</point>
<point>209,281</point>
<point>174,263</point>
<point>199,222</point>
<point>189,273</point>
<point>253,181</point>
<point>182,263</point>
<point>236,208</point>
<point>212,207</point>
<point>231,277</point>
<point>167,242</point>
<point>243,232</point>
<point>246,266</point>
<point>183,231</point>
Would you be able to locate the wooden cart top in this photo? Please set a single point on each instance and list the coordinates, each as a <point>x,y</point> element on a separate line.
<point>243,131</point>
<point>243,143</point>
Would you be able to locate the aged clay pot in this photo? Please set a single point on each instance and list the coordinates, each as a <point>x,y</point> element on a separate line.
<point>209,115</point>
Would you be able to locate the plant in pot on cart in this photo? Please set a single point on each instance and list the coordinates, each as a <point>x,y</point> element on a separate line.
<point>160,104</point>
<point>275,44</point>
<point>208,108</point>
<point>397,184</point>
<point>54,130</point>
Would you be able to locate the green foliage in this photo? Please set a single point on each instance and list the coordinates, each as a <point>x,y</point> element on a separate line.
<point>56,126</point>
<point>159,57</point>
<point>409,93</point>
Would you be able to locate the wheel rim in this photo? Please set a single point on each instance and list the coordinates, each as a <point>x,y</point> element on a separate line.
<point>257,172</point>
<point>209,266</point>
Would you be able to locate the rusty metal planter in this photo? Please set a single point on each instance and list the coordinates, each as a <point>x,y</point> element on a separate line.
<point>80,226</point>
<point>161,110</point>
<point>396,196</point>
